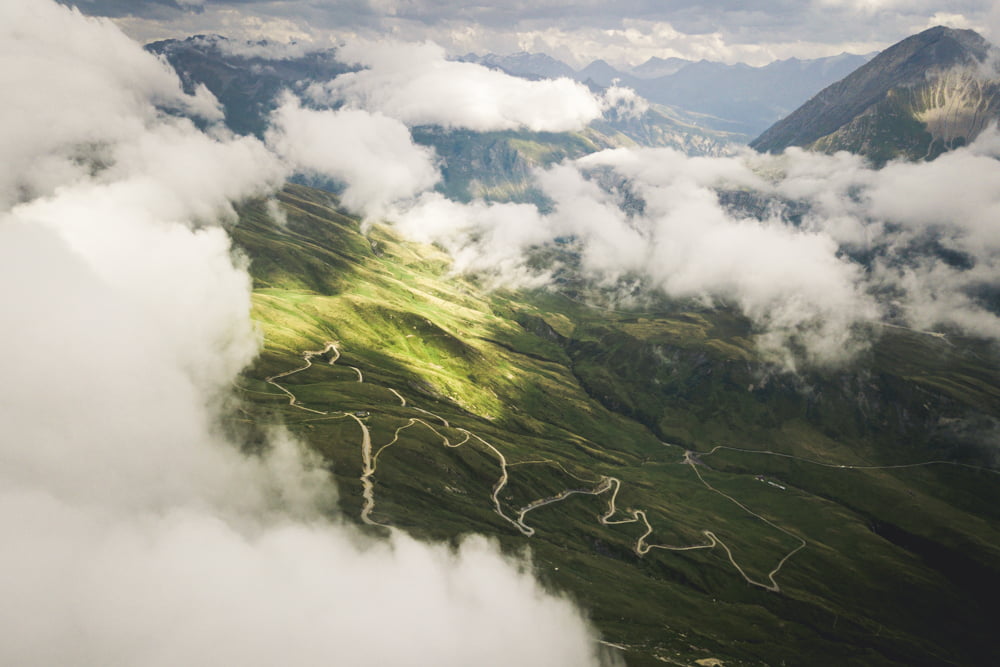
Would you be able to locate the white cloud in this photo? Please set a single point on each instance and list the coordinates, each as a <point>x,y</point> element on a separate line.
<point>956,192</point>
<point>797,280</point>
<point>134,531</point>
<point>789,281</point>
<point>370,152</point>
<point>490,239</point>
<point>417,85</point>
<point>109,97</point>
<point>754,31</point>
<point>622,102</point>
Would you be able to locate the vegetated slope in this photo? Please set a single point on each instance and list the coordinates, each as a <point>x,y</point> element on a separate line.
<point>524,416</point>
<point>916,99</point>
<point>499,166</point>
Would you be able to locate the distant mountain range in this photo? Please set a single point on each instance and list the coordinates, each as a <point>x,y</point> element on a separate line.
<point>702,99</point>
<point>247,85</point>
<point>927,94</point>
<point>247,80</point>
<point>735,98</point>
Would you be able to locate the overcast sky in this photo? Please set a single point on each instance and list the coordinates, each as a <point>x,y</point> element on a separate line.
<point>622,32</point>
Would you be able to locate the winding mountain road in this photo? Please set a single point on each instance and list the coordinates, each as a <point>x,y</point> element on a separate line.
<point>369,461</point>
<point>824,464</point>
<point>602,485</point>
<point>369,466</point>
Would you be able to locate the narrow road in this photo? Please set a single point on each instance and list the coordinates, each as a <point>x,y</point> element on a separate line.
<point>367,470</point>
<point>850,467</point>
<point>402,401</point>
<point>369,466</point>
<point>773,586</point>
<point>642,547</point>
<point>603,487</point>
<point>292,400</point>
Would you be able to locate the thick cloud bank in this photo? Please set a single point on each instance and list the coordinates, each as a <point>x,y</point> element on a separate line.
<point>134,532</point>
<point>416,84</point>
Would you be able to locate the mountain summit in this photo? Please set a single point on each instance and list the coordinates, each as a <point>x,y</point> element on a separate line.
<point>925,95</point>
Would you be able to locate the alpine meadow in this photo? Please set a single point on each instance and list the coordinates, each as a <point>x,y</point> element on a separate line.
<point>552,334</point>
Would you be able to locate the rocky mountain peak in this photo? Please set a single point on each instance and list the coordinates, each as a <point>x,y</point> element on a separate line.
<point>886,95</point>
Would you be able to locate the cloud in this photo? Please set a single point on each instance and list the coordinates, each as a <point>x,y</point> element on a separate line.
<point>491,239</point>
<point>820,249</point>
<point>135,532</point>
<point>792,282</point>
<point>416,84</point>
<point>52,133</point>
<point>624,103</point>
<point>371,153</point>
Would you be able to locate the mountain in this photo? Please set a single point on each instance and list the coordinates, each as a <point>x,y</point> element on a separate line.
<point>496,165</point>
<point>524,64</point>
<point>698,506</point>
<point>737,99</point>
<point>657,67</point>
<point>701,109</point>
<point>751,98</point>
<point>246,81</point>
<point>916,99</point>
<point>603,74</point>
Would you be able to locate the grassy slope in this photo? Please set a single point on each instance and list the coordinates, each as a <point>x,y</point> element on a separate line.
<point>569,393</point>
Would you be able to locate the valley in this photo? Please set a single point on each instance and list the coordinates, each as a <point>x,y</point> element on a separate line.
<point>690,516</point>
<point>331,345</point>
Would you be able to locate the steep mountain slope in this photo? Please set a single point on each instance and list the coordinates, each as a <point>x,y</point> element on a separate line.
<point>916,99</point>
<point>752,96</point>
<point>695,502</point>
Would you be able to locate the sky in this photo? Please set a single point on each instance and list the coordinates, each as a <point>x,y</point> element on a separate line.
<point>623,33</point>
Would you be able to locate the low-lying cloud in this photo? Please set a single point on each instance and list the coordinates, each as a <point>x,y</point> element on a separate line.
<point>792,282</point>
<point>820,251</point>
<point>418,85</point>
<point>135,532</point>
<point>372,154</point>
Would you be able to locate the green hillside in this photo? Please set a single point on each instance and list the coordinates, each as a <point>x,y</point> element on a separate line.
<point>499,165</point>
<point>696,504</point>
<point>927,94</point>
